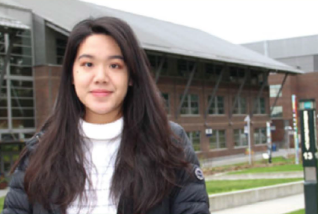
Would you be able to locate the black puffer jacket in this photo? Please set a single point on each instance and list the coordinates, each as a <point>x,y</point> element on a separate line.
<point>190,199</point>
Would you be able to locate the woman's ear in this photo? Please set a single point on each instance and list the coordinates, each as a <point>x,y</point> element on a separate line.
<point>130,82</point>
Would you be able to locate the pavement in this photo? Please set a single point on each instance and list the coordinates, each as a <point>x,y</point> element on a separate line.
<point>3,192</point>
<point>276,206</point>
<point>269,175</point>
<point>242,158</point>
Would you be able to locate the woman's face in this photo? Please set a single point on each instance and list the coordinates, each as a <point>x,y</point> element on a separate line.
<point>101,79</point>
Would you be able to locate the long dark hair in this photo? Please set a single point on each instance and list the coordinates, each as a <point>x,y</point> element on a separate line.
<point>147,158</point>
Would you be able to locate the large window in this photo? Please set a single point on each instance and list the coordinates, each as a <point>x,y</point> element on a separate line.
<point>277,112</point>
<point>260,106</point>
<point>236,75</point>
<point>60,49</point>
<point>166,98</point>
<point>212,71</point>
<point>240,107</point>
<point>273,90</point>
<point>240,138</point>
<point>217,105</point>
<point>17,95</point>
<point>190,105</point>
<point>218,140</point>
<point>155,62</point>
<point>195,139</point>
<point>260,136</point>
<point>185,68</point>
<point>257,78</point>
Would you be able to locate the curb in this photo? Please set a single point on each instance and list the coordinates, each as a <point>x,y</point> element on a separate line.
<point>244,197</point>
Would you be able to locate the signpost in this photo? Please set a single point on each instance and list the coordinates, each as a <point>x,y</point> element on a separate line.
<point>295,126</point>
<point>248,132</point>
<point>309,155</point>
<point>269,141</point>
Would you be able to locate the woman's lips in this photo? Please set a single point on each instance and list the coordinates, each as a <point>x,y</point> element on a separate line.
<point>101,93</point>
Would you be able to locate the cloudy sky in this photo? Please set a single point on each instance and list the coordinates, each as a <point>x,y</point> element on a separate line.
<point>237,21</point>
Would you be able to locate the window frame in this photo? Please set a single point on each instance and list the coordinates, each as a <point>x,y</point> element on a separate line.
<point>216,133</point>
<point>241,140</point>
<point>188,100</point>
<point>258,140</point>
<point>215,105</point>
<point>238,108</point>
<point>259,108</point>
<point>190,134</point>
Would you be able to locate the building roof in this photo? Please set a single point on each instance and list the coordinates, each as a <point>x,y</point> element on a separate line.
<point>7,21</point>
<point>288,47</point>
<point>155,34</point>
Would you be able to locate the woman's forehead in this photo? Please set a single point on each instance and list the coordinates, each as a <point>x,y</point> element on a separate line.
<point>99,46</point>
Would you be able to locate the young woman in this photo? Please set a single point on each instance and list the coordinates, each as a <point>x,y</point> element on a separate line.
<point>108,146</point>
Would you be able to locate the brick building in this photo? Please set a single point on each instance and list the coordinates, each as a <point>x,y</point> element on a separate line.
<point>205,81</point>
<point>301,53</point>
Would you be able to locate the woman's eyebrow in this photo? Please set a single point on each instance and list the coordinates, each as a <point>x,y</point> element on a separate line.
<point>85,56</point>
<point>116,57</point>
<point>92,57</point>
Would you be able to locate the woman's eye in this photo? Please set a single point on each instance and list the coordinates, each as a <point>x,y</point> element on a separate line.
<point>114,66</point>
<point>87,64</point>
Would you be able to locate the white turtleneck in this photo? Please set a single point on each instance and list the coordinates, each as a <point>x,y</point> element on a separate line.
<point>103,141</point>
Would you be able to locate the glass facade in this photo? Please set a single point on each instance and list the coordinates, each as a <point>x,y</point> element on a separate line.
<point>17,118</point>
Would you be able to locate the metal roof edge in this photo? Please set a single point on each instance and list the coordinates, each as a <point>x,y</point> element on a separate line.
<point>57,28</point>
<point>16,7</point>
<point>278,68</point>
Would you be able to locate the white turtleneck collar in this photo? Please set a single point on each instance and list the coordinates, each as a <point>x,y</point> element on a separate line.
<point>102,131</point>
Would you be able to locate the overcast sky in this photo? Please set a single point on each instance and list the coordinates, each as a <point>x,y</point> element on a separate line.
<point>237,21</point>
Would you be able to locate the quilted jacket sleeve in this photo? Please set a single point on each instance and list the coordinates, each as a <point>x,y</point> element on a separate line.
<point>192,197</point>
<point>16,201</point>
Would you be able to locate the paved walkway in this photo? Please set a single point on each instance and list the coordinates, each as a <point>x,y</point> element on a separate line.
<point>277,206</point>
<point>269,175</point>
<point>3,192</point>
<point>234,159</point>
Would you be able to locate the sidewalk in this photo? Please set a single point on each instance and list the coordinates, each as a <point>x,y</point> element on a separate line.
<point>4,192</point>
<point>268,175</point>
<point>242,158</point>
<point>277,206</point>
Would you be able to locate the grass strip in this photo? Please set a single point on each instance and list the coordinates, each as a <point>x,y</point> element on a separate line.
<point>219,186</point>
<point>302,211</point>
<point>1,203</point>
<point>279,168</point>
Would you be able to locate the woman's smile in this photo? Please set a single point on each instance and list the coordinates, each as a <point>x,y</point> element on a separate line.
<point>101,93</point>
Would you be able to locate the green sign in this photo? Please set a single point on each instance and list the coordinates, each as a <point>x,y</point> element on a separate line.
<point>309,155</point>
<point>308,105</point>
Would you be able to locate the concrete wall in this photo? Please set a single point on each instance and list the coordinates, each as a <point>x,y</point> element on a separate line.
<point>39,38</point>
<point>286,48</point>
<point>244,197</point>
<point>305,63</point>
<point>24,16</point>
<point>315,63</point>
